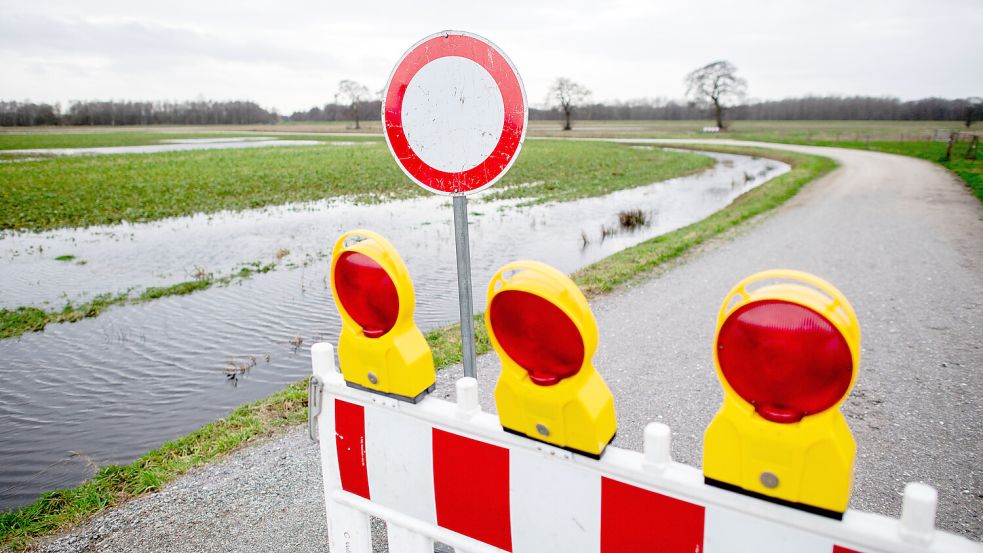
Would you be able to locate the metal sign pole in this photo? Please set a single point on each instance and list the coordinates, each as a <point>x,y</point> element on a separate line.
<point>464,282</point>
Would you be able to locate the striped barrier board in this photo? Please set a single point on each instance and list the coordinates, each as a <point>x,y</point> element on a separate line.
<point>446,471</point>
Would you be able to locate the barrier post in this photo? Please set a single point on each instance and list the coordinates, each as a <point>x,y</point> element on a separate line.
<point>348,529</point>
<point>918,513</point>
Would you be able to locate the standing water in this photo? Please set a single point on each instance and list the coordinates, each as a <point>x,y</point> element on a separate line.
<point>108,389</point>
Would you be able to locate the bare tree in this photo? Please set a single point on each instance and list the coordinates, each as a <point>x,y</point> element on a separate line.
<point>352,93</point>
<point>716,83</point>
<point>566,95</point>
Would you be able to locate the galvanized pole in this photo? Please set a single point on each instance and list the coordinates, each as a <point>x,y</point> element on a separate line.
<point>464,282</point>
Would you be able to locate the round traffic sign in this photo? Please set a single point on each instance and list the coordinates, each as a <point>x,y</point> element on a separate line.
<point>455,113</point>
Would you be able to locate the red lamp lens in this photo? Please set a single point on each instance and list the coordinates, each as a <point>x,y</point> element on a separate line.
<point>367,292</point>
<point>537,335</point>
<point>785,359</point>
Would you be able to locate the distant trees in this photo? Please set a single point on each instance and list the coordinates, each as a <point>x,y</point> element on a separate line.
<point>204,112</point>
<point>28,114</point>
<point>716,83</point>
<point>201,112</point>
<point>565,95</point>
<point>352,94</point>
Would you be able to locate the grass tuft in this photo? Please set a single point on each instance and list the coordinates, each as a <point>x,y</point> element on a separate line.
<point>632,218</point>
<point>18,321</point>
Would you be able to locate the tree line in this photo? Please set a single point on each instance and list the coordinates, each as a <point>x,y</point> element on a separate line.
<point>807,108</point>
<point>205,112</point>
<point>112,112</point>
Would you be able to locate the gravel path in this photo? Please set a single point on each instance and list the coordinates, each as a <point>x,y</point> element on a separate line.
<point>902,238</point>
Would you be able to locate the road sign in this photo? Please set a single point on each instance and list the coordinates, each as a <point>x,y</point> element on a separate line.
<point>455,113</point>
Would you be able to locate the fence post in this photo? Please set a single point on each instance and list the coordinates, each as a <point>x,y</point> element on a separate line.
<point>971,150</point>
<point>948,149</point>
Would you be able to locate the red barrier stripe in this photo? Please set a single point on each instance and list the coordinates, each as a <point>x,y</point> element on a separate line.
<point>471,488</point>
<point>637,520</point>
<point>841,549</point>
<point>349,426</point>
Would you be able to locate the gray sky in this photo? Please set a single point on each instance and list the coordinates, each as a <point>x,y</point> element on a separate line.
<point>290,54</point>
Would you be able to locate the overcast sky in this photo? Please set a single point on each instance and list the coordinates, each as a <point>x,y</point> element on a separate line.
<point>290,54</point>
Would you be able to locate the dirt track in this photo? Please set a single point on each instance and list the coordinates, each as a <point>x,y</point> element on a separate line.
<point>902,238</point>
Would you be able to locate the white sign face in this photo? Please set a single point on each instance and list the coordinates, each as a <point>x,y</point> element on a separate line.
<point>455,113</point>
<point>446,102</point>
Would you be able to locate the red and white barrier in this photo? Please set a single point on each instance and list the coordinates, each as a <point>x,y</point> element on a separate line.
<point>446,471</point>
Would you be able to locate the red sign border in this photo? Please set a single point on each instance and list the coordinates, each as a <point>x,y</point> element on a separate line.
<point>500,67</point>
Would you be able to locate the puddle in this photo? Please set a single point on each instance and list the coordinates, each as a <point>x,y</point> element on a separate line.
<point>221,140</point>
<point>111,388</point>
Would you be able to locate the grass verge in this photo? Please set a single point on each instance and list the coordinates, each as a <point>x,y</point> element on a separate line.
<point>15,322</point>
<point>114,484</point>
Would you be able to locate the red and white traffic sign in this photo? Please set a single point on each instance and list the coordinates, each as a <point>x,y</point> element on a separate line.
<point>455,113</point>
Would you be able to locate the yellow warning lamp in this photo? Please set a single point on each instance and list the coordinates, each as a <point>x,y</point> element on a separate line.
<point>545,334</point>
<point>786,350</point>
<point>380,348</point>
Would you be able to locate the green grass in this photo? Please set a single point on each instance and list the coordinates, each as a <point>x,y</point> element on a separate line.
<point>65,258</point>
<point>34,140</point>
<point>556,170</point>
<point>114,484</point>
<point>20,320</point>
<point>92,190</point>
<point>756,130</point>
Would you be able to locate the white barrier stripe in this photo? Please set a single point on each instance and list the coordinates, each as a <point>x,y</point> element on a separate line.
<point>553,503</point>
<point>728,531</point>
<point>400,463</point>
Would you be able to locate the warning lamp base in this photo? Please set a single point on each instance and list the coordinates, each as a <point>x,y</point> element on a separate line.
<point>784,502</point>
<point>595,456</point>
<point>415,399</point>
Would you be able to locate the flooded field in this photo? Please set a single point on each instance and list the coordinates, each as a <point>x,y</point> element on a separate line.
<point>174,145</point>
<point>107,390</point>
